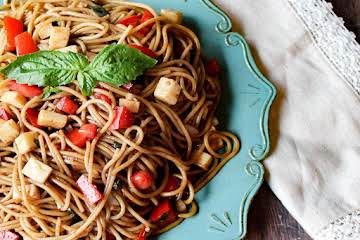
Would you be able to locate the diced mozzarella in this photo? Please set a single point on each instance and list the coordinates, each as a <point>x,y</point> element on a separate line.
<point>72,48</point>
<point>90,191</point>
<point>26,142</point>
<point>59,37</point>
<point>52,119</point>
<point>9,131</point>
<point>202,159</point>
<point>43,46</point>
<point>132,105</point>
<point>172,16</point>
<point>167,90</point>
<point>31,190</point>
<point>36,170</point>
<point>13,98</point>
<point>44,31</point>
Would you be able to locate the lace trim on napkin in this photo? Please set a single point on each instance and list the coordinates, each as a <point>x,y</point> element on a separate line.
<point>342,51</point>
<point>334,40</point>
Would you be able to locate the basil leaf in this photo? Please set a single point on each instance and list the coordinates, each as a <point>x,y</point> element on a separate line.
<point>48,91</point>
<point>46,68</point>
<point>99,10</point>
<point>86,83</point>
<point>119,64</point>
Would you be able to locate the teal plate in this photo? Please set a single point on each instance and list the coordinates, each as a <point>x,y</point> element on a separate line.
<point>247,97</point>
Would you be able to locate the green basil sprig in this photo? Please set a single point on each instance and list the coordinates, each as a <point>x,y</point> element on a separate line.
<point>115,64</point>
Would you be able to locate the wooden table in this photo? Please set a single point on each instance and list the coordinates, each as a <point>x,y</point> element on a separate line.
<point>268,219</point>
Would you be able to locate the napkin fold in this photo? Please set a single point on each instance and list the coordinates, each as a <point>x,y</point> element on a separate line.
<point>305,50</point>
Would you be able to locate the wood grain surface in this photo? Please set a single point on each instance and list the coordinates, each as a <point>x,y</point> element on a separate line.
<point>268,219</point>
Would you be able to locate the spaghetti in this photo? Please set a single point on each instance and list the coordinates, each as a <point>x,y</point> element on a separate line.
<point>177,146</point>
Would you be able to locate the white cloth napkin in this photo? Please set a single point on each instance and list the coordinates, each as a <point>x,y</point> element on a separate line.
<point>314,166</point>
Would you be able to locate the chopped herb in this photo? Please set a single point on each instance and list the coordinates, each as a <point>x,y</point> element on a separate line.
<point>37,142</point>
<point>76,218</point>
<point>118,184</point>
<point>116,145</point>
<point>99,10</point>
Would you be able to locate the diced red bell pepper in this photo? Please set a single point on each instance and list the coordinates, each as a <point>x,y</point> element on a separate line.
<point>147,15</point>
<point>25,44</point>
<point>25,90</point>
<point>142,234</point>
<point>103,97</point>
<point>4,115</point>
<point>8,235</point>
<point>163,213</point>
<point>128,86</point>
<point>32,116</point>
<point>213,68</point>
<point>67,105</point>
<point>130,20</point>
<point>123,118</point>
<point>88,130</point>
<point>77,138</point>
<point>13,27</point>
<point>144,50</point>
<point>90,191</point>
<point>171,184</point>
<point>142,179</point>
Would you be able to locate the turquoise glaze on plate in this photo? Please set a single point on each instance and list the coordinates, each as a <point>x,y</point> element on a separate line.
<point>246,100</point>
<point>247,97</point>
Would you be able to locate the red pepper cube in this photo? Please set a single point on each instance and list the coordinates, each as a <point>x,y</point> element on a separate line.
<point>123,118</point>
<point>7,235</point>
<point>13,27</point>
<point>77,138</point>
<point>144,50</point>
<point>25,90</point>
<point>102,97</point>
<point>130,20</point>
<point>25,44</point>
<point>163,213</point>
<point>32,116</point>
<point>147,15</point>
<point>142,179</point>
<point>4,115</point>
<point>172,184</point>
<point>88,131</point>
<point>67,105</point>
<point>90,191</point>
<point>213,68</point>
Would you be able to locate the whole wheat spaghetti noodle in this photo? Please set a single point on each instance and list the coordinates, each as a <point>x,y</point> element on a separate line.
<point>178,146</point>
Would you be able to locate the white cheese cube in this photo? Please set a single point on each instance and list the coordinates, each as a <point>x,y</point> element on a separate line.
<point>132,105</point>
<point>72,48</point>
<point>26,142</point>
<point>36,170</point>
<point>52,119</point>
<point>9,130</point>
<point>43,46</point>
<point>59,37</point>
<point>167,90</point>
<point>202,159</point>
<point>172,16</point>
<point>31,190</point>
<point>44,31</point>
<point>13,98</point>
